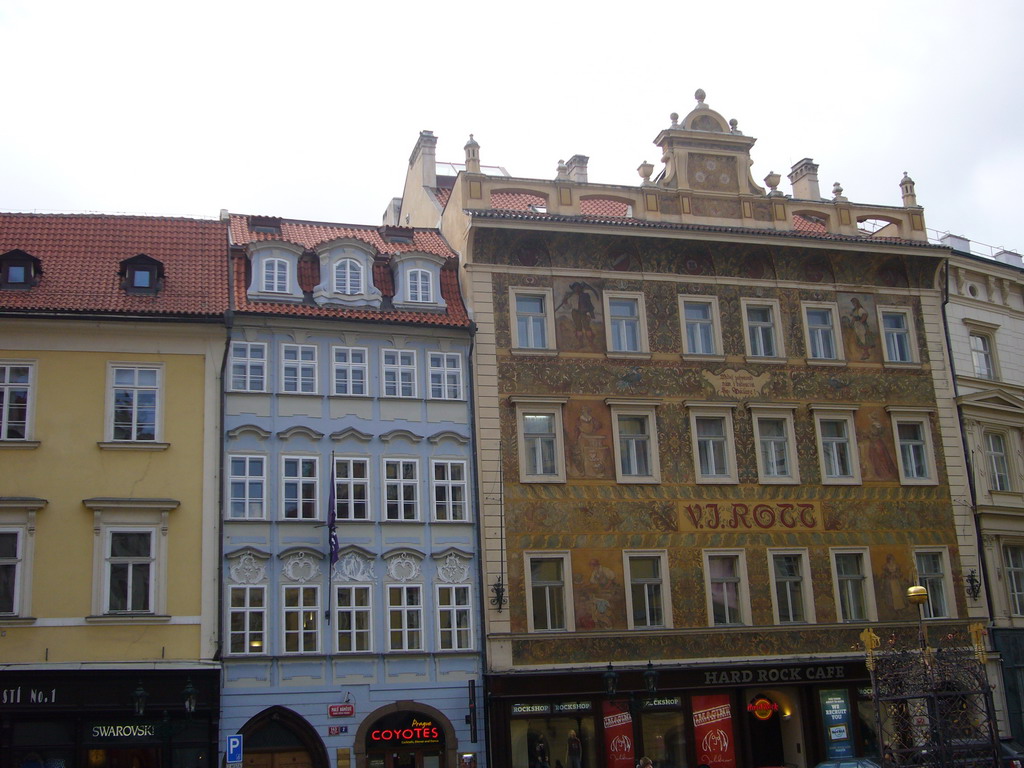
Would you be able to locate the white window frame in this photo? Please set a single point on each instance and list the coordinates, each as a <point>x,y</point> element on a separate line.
<point>742,588</point>
<point>611,324</point>
<point>867,584</point>
<point>1014,576</point>
<point>909,332</point>
<point>449,496</point>
<point>110,562</point>
<point>352,268</point>
<point>158,389</point>
<point>421,288</point>
<point>646,411</point>
<point>835,412</point>
<point>347,371</point>
<point>540,406</point>
<point>920,417</point>
<point>1008,465</point>
<point>401,484</point>
<point>275,275</point>
<point>445,378</point>
<point>17,563</point>
<point>837,336</point>
<point>547,318</point>
<point>410,618</point>
<point>360,616</point>
<point>398,377</point>
<point>451,611</point>
<point>772,305</point>
<point>663,584</point>
<point>347,486</point>
<point>708,410</point>
<point>305,610</point>
<point>566,586</point>
<point>304,369</point>
<point>775,412</point>
<point>944,579</point>
<point>253,368</point>
<point>6,387</point>
<point>987,333</point>
<point>300,482</point>
<point>715,320</point>
<point>806,592</point>
<point>254,640</point>
<point>247,497</point>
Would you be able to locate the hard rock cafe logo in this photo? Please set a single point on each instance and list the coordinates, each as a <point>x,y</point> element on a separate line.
<point>762,708</point>
<point>621,745</point>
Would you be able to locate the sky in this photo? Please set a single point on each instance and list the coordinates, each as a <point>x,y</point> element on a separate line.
<point>310,110</point>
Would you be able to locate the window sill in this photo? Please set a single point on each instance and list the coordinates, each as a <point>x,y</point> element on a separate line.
<point>841,481</point>
<point>631,480</point>
<point>703,358</point>
<point>543,352</point>
<point>342,396</point>
<point>133,445</point>
<point>435,521</point>
<point>779,480</point>
<point>410,520</point>
<point>716,480</point>
<point>17,621</point>
<point>832,363</point>
<point>896,365</point>
<point>768,360</point>
<point>540,479</point>
<point>1010,496</point>
<point>299,520</point>
<point>19,445</point>
<point>245,520</point>
<point>128,618</point>
<point>446,399</point>
<point>248,392</point>
<point>914,481</point>
<point>621,355</point>
<point>299,394</point>
<point>400,397</point>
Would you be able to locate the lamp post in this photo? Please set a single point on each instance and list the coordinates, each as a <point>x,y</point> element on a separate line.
<point>918,595</point>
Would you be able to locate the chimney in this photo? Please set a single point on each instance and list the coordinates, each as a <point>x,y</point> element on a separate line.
<point>1010,257</point>
<point>907,188</point>
<point>424,154</point>
<point>804,178</point>
<point>472,155</point>
<point>956,242</point>
<point>577,167</point>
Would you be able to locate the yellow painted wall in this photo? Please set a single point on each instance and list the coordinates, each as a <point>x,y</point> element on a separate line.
<point>71,379</point>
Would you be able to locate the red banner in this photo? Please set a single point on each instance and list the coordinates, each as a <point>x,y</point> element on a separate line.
<point>712,730</point>
<point>618,734</point>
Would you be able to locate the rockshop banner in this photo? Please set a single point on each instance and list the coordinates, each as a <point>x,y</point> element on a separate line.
<point>618,734</point>
<point>712,730</point>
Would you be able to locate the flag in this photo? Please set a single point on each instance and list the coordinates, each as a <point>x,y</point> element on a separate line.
<point>332,514</point>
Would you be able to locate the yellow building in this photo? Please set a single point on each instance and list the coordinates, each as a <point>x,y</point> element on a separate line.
<point>111,342</point>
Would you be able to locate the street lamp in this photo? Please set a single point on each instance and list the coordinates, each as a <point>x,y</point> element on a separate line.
<point>918,595</point>
<point>139,697</point>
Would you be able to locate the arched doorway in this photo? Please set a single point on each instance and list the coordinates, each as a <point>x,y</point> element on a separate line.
<point>406,734</point>
<point>279,738</point>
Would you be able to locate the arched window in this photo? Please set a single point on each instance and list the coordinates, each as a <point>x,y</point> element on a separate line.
<point>275,276</point>
<point>419,286</point>
<point>348,277</point>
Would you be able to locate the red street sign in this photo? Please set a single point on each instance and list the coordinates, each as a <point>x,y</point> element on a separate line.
<point>341,710</point>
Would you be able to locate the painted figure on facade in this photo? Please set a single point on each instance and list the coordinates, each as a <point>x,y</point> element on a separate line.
<point>880,458</point>
<point>581,310</point>
<point>588,448</point>
<point>893,587</point>
<point>858,319</point>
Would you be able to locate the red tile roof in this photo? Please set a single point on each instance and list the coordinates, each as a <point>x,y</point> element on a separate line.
<point>516,201</point>
<point>80,256</point>
<point>803,224</point>
<point>310,234</point>
<point>603,206</point>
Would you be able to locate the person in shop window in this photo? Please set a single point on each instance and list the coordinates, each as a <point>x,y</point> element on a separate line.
<point>542,754</point>
<point>574,751</point>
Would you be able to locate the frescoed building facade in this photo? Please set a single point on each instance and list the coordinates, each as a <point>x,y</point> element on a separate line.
<point>985,315</point>
<point>348,411</point>
<point>728,444</point>
<point>111,342</point>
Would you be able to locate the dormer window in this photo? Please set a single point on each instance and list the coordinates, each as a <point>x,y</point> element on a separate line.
<point>348,277</point>
<point>418,281</point>
<point>19,270</point>
<point>275,276</point>
<point>141,274</point>
<point>419,286</point>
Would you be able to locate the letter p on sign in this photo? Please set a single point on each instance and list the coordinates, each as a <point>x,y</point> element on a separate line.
<point>234,750</point>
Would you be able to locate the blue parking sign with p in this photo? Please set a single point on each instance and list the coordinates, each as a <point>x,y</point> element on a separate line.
<point>234,751</point>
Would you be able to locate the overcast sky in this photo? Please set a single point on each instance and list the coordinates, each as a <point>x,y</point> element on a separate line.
<point>310,109</point>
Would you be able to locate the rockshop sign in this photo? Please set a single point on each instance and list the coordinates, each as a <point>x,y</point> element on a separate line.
<point>761,675</point>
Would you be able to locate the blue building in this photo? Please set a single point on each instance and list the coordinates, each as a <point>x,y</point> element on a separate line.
<point>347,417</point>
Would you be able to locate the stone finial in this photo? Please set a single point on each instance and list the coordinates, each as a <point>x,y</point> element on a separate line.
<point>837,193</point>
<point>674,117</point>
<point>472,155</point>
<point>773,180</point>
<point>733,127</point>
<point>907,188</point>
<point>562,174</point>
<point>645,170</point>
<point>699,95</point>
